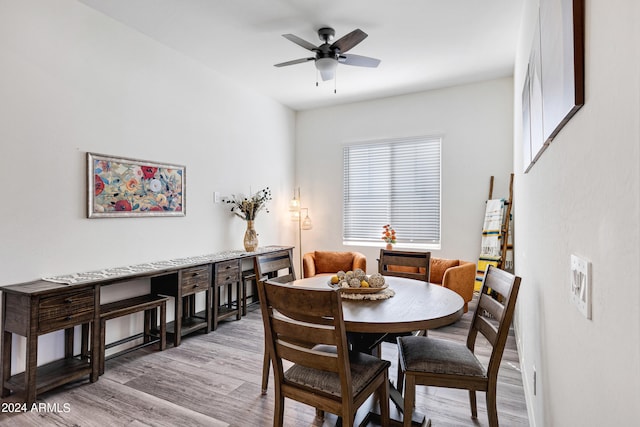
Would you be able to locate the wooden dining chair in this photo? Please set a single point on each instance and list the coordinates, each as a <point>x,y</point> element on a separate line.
<point>306,327</point>
<point>277,267</point>
<point>412,265</point>
<point>445,363</point>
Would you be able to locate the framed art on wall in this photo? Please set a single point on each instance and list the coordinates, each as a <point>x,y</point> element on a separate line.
<point>555,77</point>
<point>123,187</point>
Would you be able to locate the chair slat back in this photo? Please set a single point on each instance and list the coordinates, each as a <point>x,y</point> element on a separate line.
<point>411,265</point>
<point>492,306</point>
<point>493,316</point>
<point>275,266</point>
<point>298,319</point>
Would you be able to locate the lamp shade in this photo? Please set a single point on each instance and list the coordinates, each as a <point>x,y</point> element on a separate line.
<point>306,223</point>
<point>327,67</point>
<point>294,205</point>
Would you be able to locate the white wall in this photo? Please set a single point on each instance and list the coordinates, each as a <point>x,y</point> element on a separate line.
<point>475,122</point>
<point>582,197</point>
<point>75,81</point>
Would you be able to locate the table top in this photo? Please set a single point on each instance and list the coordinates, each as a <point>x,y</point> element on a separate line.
<point>415,306</point>
<point>109,276</point>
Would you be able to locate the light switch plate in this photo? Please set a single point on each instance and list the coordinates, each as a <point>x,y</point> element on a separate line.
<point>581,284</point>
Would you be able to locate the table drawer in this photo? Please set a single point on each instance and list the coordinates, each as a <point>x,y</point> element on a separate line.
<point>195,279</point>
<point>65,310</point>
<point>227,271</point>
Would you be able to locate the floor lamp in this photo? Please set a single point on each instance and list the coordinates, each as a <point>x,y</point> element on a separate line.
<point>296,209</point>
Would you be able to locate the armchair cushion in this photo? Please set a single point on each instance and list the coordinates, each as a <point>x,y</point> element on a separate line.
<point>438,268</point>
<point>459,278</point>
<point>332,262</point>
<point>327,262</point>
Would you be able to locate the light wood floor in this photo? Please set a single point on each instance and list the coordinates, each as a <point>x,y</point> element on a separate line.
<point>214,380</point>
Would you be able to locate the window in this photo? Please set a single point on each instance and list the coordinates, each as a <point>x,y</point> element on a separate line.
<point>393,182</point>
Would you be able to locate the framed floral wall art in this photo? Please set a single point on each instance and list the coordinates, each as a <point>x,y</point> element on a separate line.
<point>122,187</point>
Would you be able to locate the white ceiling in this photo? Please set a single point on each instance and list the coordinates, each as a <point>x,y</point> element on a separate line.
<point>423,44</point>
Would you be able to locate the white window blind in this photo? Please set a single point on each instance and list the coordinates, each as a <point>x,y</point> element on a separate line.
<point>393,182</point>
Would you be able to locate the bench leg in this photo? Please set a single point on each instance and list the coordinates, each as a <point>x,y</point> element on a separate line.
<point>244,297</point>
<point>84,340</point>
<point>163,326</point>
<point>239,298</point>
<point>146,331</point>
<point>102,350</point>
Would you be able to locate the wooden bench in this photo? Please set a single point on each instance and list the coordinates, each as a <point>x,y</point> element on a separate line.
<point>151,334</point>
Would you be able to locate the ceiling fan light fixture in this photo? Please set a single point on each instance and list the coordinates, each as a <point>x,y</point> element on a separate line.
<point>326,56</point>
<point>327,67</point>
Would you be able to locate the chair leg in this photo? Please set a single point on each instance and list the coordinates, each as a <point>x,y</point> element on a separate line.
<point>377,351</point>
<point>474,406</point>
<point>399,377</point>
<point>278,413</point>
<point>409,399</point>
<point>383,394</point>
<point>266,365</point>
<point>492,410</point>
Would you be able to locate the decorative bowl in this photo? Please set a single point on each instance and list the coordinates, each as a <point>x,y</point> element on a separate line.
<point>351,290</point>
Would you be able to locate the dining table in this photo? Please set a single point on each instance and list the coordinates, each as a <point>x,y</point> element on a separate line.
<point>407,305</point>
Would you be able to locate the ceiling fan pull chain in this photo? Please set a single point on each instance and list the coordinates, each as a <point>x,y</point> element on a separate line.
<point>335,83</point>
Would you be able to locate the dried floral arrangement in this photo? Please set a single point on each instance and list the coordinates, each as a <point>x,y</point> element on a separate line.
<point>248,207</point>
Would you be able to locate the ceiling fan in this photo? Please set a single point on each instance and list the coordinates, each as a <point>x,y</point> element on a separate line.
<point>329,55</point>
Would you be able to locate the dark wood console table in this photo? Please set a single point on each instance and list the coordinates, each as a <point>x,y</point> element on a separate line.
<point>64,302</point>
<point>37,308</point>
<point>183,286</point>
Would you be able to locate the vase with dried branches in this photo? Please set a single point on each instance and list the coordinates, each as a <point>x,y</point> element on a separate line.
<point>247,207</point>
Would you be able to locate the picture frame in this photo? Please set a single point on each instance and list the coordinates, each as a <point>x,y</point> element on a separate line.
<point>526,122</point>
<point>562,62</point>
<point>555,74</point>
<point>120,187</point>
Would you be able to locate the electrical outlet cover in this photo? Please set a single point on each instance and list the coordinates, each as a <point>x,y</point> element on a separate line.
<point>581,284</point>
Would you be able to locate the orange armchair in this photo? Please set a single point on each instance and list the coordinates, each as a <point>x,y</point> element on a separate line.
<point>325,262</point>
<point>457,275</point>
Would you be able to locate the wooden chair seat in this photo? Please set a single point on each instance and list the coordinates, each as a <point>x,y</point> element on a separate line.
<point>364,368</point>
<point>429,355</point>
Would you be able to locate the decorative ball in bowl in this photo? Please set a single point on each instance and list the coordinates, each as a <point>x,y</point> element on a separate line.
<point>358,282</point>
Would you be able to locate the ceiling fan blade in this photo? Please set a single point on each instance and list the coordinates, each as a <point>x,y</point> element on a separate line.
<point>295,61</point>
<point>350,40</point>
<point>358,60</point>
<point>300,42</point>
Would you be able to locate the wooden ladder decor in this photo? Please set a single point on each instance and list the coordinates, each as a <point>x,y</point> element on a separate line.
<point>506,224</point>
<point>492,256</point>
